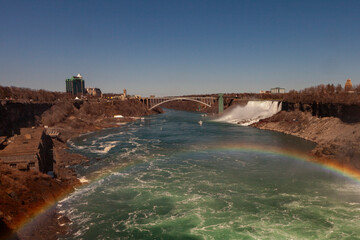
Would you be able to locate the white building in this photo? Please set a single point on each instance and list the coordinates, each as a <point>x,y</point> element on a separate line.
<point>277,90</point>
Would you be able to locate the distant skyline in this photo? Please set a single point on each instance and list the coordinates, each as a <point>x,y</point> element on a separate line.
<point>179,47</point>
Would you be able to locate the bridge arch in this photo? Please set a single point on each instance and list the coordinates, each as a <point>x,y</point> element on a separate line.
<point>180,98</point>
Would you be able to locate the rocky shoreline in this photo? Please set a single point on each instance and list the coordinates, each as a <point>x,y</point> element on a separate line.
<point>28,193</point>
<point>51,224</point>
<point>336,140</point>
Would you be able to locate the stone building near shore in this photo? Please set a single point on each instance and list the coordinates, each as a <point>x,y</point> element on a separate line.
<point>31,150</point>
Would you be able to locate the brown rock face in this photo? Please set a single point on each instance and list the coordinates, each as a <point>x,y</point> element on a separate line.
<point>347,113</point>
<point>19,115</point>
<point>23,194</point>
<point>336,139</point>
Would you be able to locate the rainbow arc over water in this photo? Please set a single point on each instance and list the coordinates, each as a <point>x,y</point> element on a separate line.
<point>334,166</point>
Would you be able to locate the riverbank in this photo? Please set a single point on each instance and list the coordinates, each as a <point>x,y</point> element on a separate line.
<point>51,224</point>
<point>336,140</point>
<point>27,193</point>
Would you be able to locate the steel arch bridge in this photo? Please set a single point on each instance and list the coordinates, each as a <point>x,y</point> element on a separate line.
<point>155,102</point>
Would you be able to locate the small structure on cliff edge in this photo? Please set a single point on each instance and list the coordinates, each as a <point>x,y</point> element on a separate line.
<point>94,92</point>
<point>75,85</point>
<point>348,85</point>
<point>277,90</point>
<point>31,150</point>
<point>124,95</point>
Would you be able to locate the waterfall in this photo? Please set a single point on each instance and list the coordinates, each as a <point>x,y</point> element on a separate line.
<point>251,113</point>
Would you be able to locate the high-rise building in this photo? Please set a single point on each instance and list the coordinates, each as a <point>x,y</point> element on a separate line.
<point>348,85</point>
<point>75,85</point>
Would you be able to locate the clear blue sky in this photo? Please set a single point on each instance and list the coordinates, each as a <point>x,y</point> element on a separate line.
<point>179,47</point>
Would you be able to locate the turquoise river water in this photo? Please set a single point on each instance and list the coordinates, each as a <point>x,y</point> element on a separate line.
<point>167,177</point>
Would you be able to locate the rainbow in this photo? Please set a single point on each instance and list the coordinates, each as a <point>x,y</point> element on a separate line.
<point>333,166</point>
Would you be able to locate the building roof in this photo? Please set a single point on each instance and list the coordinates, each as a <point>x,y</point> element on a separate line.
<point>24,144</point>
<point>75,78</point>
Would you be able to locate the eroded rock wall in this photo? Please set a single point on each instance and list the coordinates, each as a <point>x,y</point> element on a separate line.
<point>14,116</point>
<point>346,113</point>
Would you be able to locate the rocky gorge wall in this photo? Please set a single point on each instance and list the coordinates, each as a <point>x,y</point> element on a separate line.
<point>14,116</point>
<point>334,127</point>
<point>348,113</point>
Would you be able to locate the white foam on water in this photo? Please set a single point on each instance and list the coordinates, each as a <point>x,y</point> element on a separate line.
<point>193,198</point>
<point>251,113</point>
<point>293,205</point>
<point>119,174</point>
<point>106,147</point>
<point>80,192</point>
<point>73,145</point>
<point>84,134</point>
<point>111,135</point>
<point>83,180</point>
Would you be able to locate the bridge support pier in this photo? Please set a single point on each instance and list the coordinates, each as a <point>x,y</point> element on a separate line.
<point>221,103</point>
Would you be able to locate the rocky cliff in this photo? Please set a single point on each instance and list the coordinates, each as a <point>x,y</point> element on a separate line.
<point>334,127</point>
<point>14,116</point>
<point>348,113</point>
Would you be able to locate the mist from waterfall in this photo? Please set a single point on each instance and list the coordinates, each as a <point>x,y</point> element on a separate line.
<point>251,113</point>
